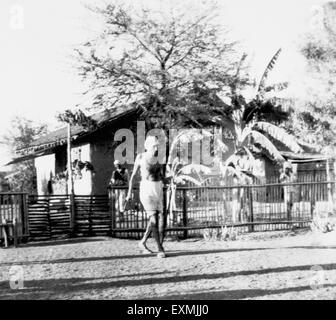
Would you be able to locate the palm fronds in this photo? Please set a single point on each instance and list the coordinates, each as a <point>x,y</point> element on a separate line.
<point>249,154</point>
<point>182,178</point>
<point>265,143</point>
<point>280,135</point>
<point>235,171</point>
<point>277,86</point>
<point>221,146</point>
<point>180,173</point>
<point>269,67</point>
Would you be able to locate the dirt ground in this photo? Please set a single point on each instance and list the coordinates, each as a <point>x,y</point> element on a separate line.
<point>273,265</point>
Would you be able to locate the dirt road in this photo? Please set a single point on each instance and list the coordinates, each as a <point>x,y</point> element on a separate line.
<point>259,266</point>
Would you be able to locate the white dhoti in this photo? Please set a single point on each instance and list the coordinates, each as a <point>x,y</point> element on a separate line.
<point>120,198</point>
<point>151,196</point>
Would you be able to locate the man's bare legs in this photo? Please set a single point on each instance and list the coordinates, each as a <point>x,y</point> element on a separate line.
<point>161,226</point>
<point>145,237</point>
<point>157,232</point>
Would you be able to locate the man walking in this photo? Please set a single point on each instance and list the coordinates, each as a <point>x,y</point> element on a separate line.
<point>151,193</point>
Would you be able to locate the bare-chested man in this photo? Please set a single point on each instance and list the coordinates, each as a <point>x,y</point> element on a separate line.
<point>151,192</point>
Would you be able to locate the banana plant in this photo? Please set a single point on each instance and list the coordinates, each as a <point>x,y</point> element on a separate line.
<point>178,172</point>
<point>248,138</point>
<point>253,133</point>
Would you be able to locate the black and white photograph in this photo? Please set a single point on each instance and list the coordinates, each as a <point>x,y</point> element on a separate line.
<point>156,150</point>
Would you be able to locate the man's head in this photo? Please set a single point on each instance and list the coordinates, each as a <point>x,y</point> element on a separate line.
<point>117,164</point>
<point>287,167</point>
<point>151,144</point>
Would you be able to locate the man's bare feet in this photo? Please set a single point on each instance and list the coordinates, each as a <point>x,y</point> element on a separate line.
<point>144,248</point>
<point>161,254</point>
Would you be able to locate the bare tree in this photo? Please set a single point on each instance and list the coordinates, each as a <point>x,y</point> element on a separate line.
<point>157,59</point>
<point>23,132</point>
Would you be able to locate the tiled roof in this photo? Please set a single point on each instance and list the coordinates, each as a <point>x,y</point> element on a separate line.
<point>59,137</point>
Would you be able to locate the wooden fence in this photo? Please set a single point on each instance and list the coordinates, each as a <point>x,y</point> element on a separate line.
<point>249,208</point>
<point>13,211</point>
<point>50,217</point>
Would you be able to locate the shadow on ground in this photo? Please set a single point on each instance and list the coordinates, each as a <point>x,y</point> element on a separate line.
<point>236,294</point>
<point>54,288</point>
<point>47,243</point>
<point>169,255</point>
<point>131,256</point>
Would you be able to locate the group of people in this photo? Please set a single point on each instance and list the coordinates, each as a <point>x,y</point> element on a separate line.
<point>151,192</point>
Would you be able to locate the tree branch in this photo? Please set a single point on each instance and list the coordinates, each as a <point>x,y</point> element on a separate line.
<point>182,58</point>
<point>146,47</point>
<point>127,73</point>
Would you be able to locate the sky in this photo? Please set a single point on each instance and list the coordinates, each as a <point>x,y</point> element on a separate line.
<point>37,37</point>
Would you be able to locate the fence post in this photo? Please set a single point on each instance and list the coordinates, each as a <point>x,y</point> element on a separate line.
<point>185,217</point>
<point>15,232</point>
<point>48,215</point>
<point>72,214</point>
<point>289,201</point>
<point>312,201</point>
<point>113,213</point>
<point>24,215</point>
<point>250,193</point>
<point>240,203</point>
<point>90,216</point>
